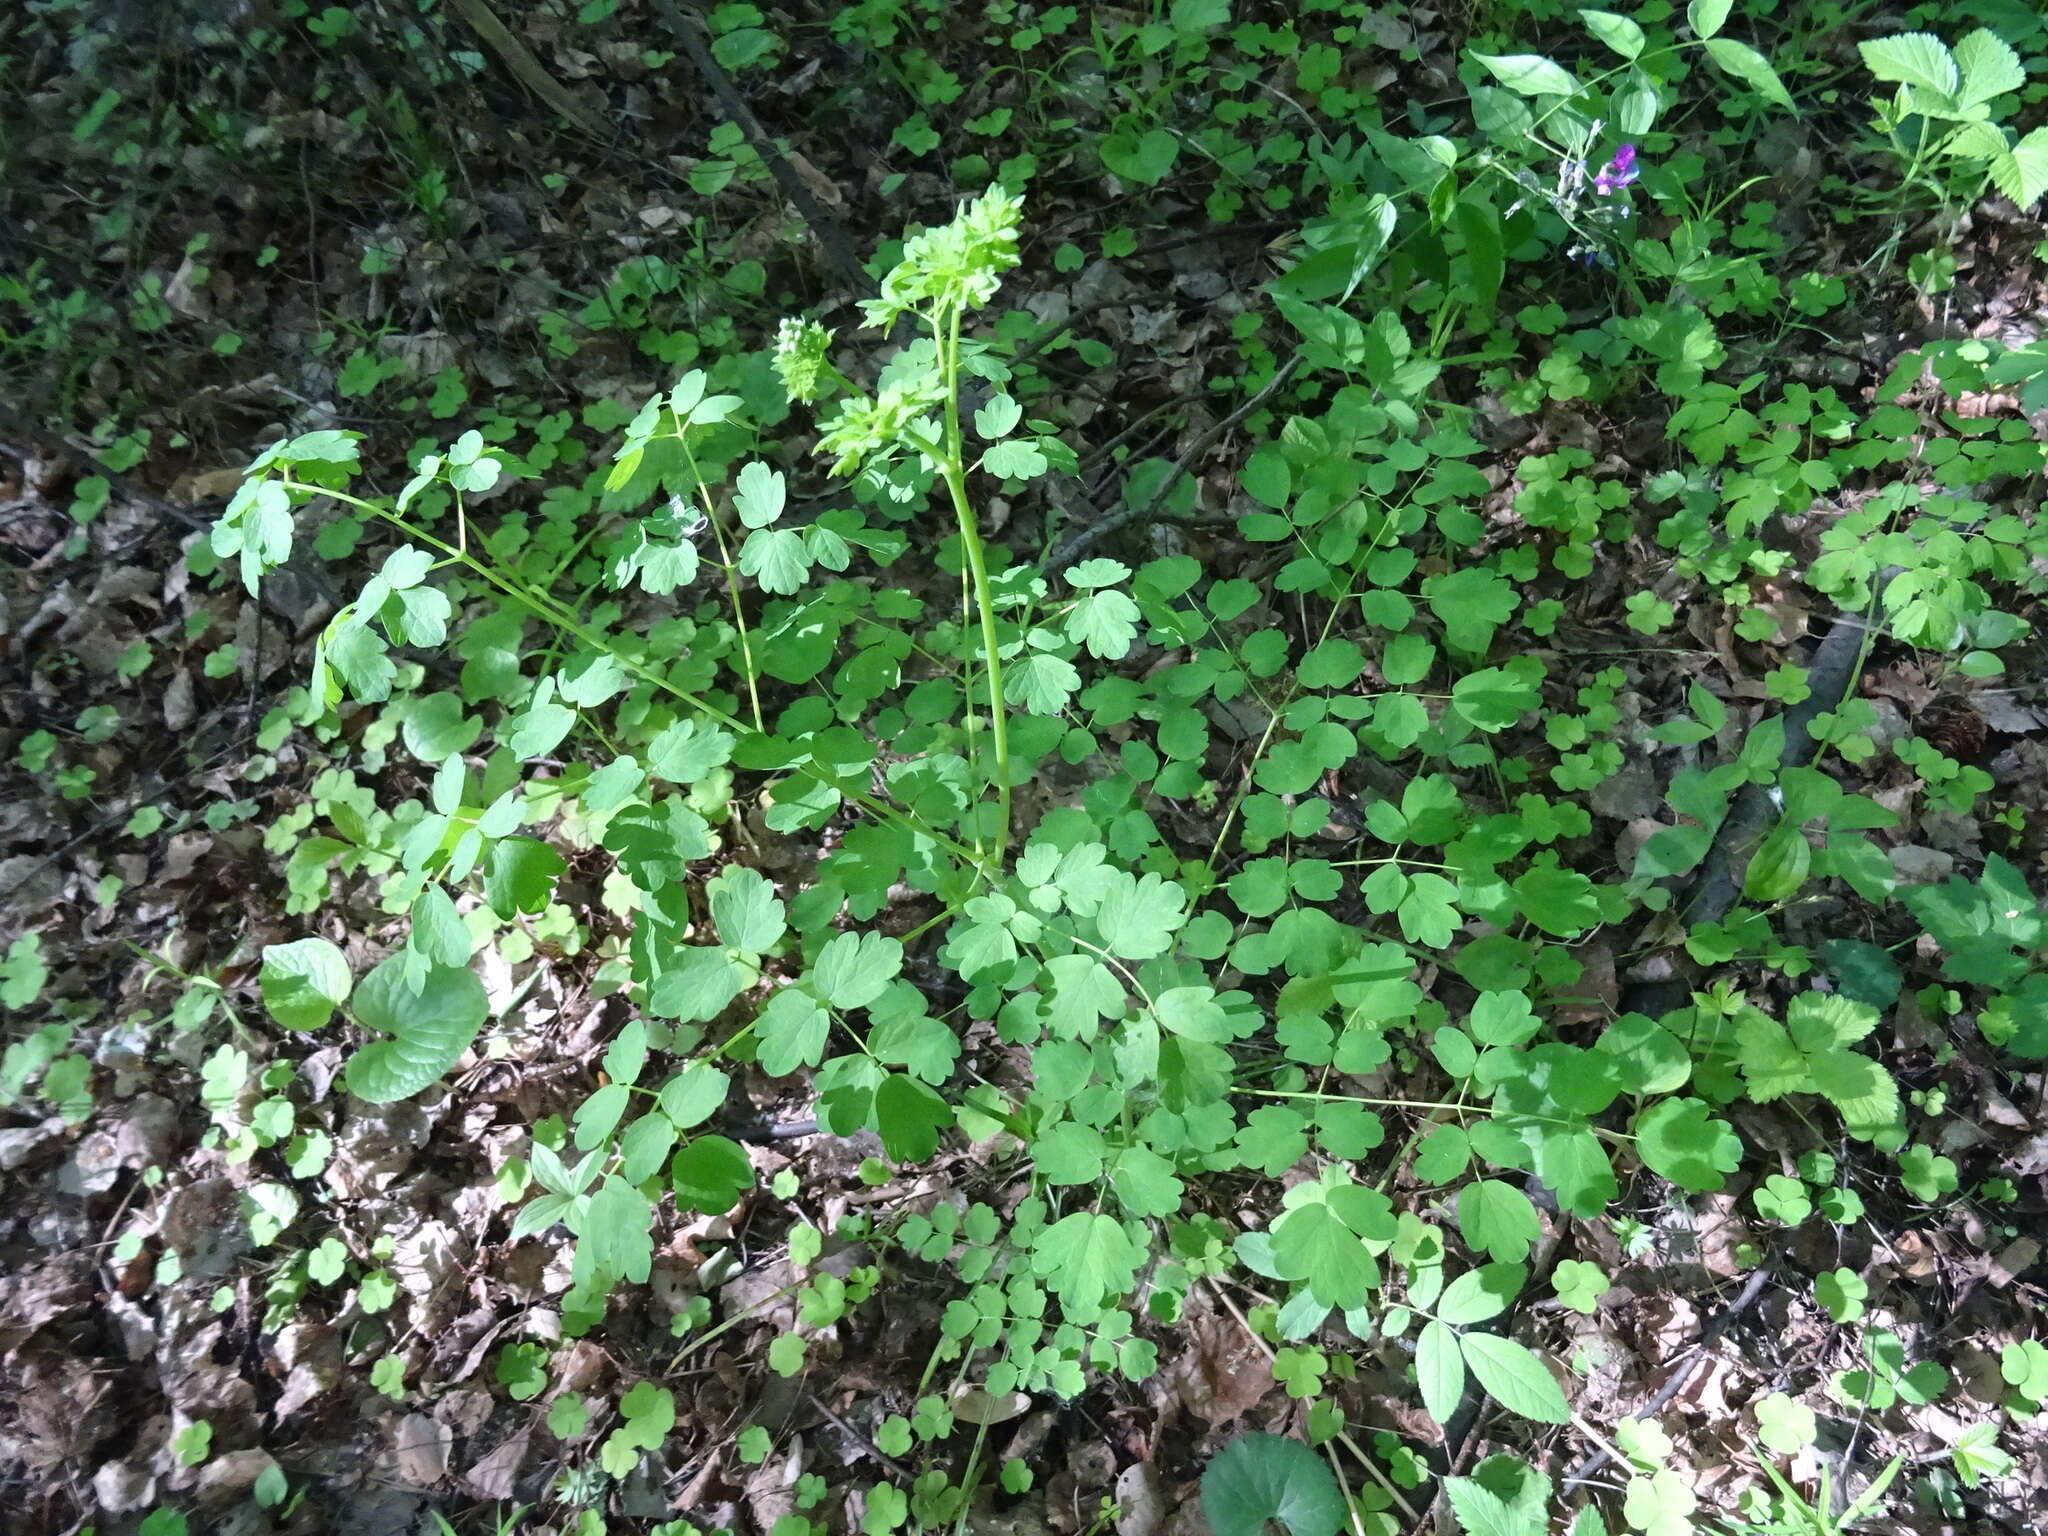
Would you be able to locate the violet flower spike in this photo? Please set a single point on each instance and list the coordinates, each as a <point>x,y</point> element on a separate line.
<point>1617,173</point>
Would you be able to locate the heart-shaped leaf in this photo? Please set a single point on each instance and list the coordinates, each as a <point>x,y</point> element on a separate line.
<point>1258,1478</point>
<point>429,1031</point>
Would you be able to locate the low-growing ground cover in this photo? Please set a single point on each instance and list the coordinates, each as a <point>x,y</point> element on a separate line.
<point>1145,771</point>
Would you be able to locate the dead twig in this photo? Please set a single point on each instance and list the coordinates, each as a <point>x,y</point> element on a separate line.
<point>1081,540</point>
<point>838,248</point>
<point>518,58</point>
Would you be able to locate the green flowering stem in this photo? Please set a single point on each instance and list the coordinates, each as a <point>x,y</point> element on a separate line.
<point>953,470</point>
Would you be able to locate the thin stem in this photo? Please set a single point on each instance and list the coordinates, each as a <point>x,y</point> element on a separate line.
<point>954,471</point>
<point>732,591</point>
<point>547,609</point>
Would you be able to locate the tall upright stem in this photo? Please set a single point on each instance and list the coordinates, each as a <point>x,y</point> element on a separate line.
<point>955,473</point>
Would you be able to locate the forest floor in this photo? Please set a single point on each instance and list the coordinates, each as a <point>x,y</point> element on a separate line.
<point>377,224</point>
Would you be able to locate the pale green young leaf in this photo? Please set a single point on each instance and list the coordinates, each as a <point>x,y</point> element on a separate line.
<point>1988,67</point>
<point>759,494</point>
<point>746,910</point>
<point>2022,173</point>
<point>1910,58</point>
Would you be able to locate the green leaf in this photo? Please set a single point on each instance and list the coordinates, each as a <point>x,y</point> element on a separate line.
<point>1493,699</point>
<point>759,494</point>
<point>745,908</point>
<point>1086,1258</point>
<point>520,876</point>
<point>1261,1478</point>
<point>1439,1370</point>
<point>775,558</point>
<point>693,1095</point>
<point>1988,66</point>
<point>1529,74</point>
<point>791,1032</point>
<point>1779,866</point>
<point>1617,32</point>
<point>1750,67</point>
<point>439,932</point>
<point>909,1116</point>
<point>614,1231</point>
<point>1483,1512</point>
<point>1041,684</point>
<point>1910,58</point>
<point>1558,901</point>
<point>1481,1293</point>
<point>2022,172</point>
<point>853,969</point>
<point>1515,1378</point>
<point>710,1175</point>
<point>1680,1139</point>
<point>303,982</point>
<point>1497,1219</point>
<point>687,751</point>
<point>1139,154</point>
<point>1138,918</point>
<point>1706,17</point>
<point>429,1031</point>
<point>1105,622</point>
<point>698,984</point>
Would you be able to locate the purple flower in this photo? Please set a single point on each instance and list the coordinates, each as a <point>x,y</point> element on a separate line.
<point>1616,173</point>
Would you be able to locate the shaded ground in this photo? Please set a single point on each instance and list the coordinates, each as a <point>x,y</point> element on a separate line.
<point>278,227</point>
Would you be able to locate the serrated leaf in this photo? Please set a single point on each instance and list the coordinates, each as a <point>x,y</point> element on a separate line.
<point>2022,172</point>
<point>1912,58</point>
<point>1988,67</point>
